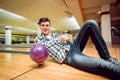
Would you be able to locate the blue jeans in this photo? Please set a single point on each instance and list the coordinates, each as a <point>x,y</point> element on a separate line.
<point>81,61</point>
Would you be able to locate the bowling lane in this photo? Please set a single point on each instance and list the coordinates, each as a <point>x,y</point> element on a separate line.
<point>12,65</point>
<point>54,71</point>
<point>21,67</point>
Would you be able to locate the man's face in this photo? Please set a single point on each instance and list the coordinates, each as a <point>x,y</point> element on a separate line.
<point>45,27</point>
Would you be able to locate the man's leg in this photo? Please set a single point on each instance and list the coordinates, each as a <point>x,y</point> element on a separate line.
<point>91,64</point>
<point>90,29</point>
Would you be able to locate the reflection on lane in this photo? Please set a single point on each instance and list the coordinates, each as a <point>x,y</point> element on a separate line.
<point>8,55</point>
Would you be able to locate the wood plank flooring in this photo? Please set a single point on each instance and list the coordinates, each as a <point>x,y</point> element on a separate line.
<point>21,67</point>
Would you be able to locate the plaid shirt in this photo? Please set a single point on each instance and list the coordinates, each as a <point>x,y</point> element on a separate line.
<point>57,49</point>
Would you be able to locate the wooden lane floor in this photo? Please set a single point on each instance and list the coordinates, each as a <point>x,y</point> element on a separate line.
<point>53,71</point>
<point>12,65</point>
<point>21,67</point>
<point>24,69</point>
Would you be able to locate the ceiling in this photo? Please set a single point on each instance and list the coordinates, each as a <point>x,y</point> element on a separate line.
<point>64,14</point>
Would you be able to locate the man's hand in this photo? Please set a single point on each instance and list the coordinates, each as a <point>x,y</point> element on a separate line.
<point>64,38</point>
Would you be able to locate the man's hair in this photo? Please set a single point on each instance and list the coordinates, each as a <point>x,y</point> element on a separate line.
<point>44,19</point>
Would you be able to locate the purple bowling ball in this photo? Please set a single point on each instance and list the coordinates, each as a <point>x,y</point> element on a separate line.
<point>38,53</point>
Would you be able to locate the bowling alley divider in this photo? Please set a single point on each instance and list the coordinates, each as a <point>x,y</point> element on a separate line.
<point>3,48</point>
<point>14,51</point>
<point>17,45</point>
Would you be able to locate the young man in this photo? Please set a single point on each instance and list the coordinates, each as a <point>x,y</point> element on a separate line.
<point>63,51</point>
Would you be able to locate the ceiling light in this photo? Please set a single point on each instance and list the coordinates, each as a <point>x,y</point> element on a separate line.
<point>11,14</point>
<point>73,22</point>
<point>53,29</point>
<point>99,12</point>
<point>25,29</point>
